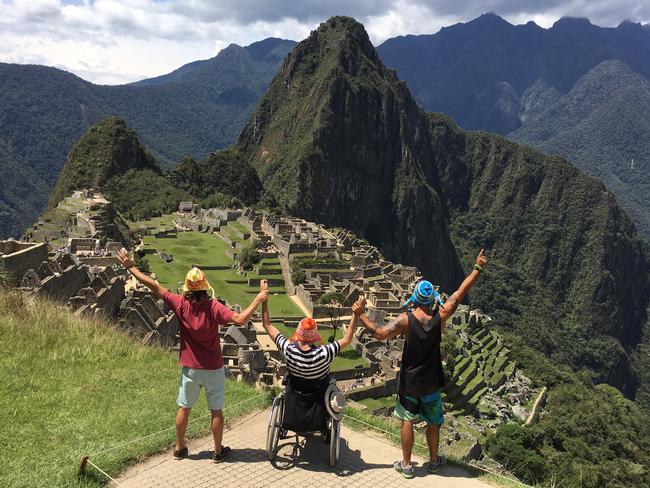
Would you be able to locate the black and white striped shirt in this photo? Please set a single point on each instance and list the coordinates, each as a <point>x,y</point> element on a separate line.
<point>311,364</point>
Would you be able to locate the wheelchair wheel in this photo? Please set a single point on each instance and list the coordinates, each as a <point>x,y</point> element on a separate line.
<point>275,425</point>
<point>335,438</point>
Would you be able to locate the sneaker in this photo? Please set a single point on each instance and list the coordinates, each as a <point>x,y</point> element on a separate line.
<point>180,453</point>
<point>225,452</point>
<point>435,467</point>
<point>406,472</point>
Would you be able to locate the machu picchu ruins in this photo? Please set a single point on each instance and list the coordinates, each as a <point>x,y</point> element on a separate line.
<point>303,261</point>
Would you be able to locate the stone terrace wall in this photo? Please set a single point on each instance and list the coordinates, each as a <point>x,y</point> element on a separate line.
<point>387,388</point>
<point>17,257</point>
<point>61,286</point>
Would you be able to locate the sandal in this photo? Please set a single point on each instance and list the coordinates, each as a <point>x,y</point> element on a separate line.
<point>435,467</point>
<point>225,452</point>
<point>406,472</point>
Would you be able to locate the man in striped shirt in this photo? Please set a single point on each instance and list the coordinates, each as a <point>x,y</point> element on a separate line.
<point>307,362</point>
<point>309,369</point>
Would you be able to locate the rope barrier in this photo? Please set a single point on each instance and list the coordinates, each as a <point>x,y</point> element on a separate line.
<point>493,473</point>
<point>373,427</point>
<point>172,427</point>
<point>103,472</point>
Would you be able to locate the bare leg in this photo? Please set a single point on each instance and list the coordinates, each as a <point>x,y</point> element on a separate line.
<point>407,441</point>
<point>433,437</point>
<point>217,429</point>
<point>182,417</point>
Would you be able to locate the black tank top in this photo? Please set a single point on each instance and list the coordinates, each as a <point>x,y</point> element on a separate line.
<point>421,372</point>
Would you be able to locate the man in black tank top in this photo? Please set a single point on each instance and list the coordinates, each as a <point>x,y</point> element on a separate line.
<point>421,375</point>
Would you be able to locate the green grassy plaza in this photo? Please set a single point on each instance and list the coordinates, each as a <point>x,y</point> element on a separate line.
<point>207,250</point>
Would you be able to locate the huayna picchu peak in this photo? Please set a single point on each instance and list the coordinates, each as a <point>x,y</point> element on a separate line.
<point>338,139</point>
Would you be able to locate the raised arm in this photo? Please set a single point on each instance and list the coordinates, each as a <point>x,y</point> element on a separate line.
<point>243,317</point>
<point>454,300</point>
<point>357,309</point>
<point>394,328</point>
<point>129,264</point>
<point>266,316</point>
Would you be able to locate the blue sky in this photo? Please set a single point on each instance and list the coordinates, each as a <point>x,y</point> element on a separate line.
<point>118,41</point>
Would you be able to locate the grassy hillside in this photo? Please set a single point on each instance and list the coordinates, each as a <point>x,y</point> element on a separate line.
<point>75,386</point>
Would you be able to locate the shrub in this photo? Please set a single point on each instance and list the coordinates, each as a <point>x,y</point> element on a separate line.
<point>514,447</point>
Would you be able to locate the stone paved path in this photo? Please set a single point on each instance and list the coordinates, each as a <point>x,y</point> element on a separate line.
<point>365,461</point>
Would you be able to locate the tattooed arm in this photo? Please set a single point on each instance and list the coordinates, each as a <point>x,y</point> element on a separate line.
<point>454,300</point>
<point>394,328</point>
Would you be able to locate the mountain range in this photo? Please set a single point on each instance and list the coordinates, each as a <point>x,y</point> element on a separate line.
<point>487,74</point>
<point>337,138</point>
<point>196,109</point>
<point>576,90</point>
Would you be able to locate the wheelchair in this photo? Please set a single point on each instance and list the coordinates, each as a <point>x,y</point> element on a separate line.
<point>302,409</point>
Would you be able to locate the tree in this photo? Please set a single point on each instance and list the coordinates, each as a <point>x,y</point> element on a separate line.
<point>514,446</point>
<point>298,276</point>
<point>249,257</point>
<point>142,263</point>
<point>334,302</point>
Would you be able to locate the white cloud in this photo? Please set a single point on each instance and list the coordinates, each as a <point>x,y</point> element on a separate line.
<point>115,41</point>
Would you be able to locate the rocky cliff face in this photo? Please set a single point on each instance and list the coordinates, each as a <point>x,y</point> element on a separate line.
<point>572,272</point>
<point>338,139</point>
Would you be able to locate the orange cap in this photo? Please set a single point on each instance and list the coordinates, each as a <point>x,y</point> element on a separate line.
<point>307,331</point>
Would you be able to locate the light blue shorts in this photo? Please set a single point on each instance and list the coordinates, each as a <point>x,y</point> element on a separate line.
<point>213,380</point>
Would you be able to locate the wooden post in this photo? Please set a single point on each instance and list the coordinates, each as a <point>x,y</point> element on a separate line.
<point>82,466</point>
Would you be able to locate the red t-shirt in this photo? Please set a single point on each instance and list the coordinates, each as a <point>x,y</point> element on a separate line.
<point>200,345</point>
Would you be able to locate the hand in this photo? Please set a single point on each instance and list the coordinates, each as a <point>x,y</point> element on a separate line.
<point>263,295</point>
<point>482,259</point>
<point>125,260</point>
<point>359,306</point>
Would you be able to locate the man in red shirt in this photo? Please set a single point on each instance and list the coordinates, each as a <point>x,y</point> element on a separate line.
<point>200,349</point>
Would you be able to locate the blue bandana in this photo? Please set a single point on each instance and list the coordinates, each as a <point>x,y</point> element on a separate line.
<point>423,295</point>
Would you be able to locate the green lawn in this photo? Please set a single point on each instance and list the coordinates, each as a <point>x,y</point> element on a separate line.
<point>204,249</point>
<point>239,226</point>
<point>164,221</point>
<point>375,403</point>
<point>74,386</point>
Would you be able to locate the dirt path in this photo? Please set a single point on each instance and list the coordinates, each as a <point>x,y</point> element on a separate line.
<point>365,461</point>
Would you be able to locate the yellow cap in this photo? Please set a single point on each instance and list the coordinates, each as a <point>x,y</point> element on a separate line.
<point>195,280</point>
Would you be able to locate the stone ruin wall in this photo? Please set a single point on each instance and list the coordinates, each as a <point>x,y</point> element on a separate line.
<point>17,257</point>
